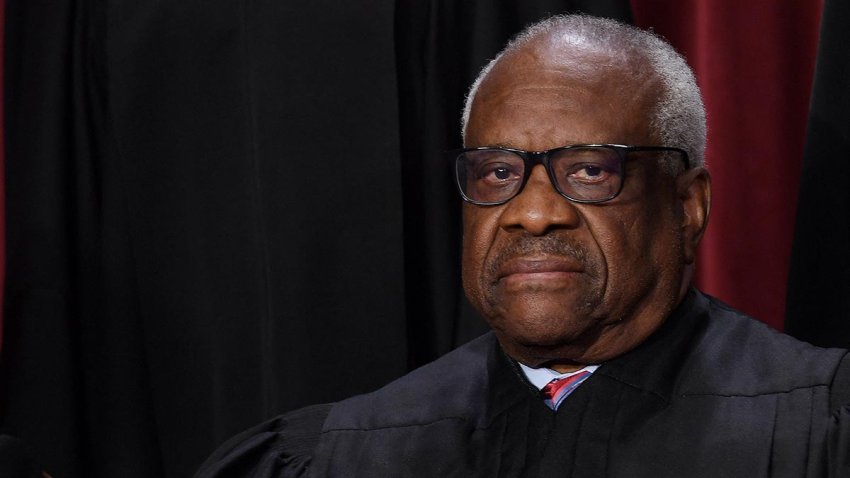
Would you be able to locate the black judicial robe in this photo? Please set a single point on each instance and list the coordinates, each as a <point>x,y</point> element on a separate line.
<point>711,394</point>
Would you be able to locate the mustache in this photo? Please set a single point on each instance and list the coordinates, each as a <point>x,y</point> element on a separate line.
<point>527,245</point>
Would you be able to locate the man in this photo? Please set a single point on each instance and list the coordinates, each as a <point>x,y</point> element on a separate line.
<point>585,200</point>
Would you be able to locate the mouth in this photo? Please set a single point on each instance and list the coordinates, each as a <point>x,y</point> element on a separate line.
<point>535,269</point>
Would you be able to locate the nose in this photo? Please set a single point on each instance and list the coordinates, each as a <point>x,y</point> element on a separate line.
<point>539,208</point>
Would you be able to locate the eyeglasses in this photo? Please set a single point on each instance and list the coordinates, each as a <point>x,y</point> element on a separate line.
<point>582,173</point>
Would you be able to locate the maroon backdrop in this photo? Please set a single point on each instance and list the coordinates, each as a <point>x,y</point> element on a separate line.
<point>754,61</point>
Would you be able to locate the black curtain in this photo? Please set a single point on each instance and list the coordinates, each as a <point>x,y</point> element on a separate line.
<point>818,305</point>
<point>218,211</point>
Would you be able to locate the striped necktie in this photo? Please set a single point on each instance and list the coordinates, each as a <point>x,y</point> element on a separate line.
<point>557,390</point>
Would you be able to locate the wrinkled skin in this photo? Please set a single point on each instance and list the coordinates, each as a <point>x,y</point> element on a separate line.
<point>565,284</point>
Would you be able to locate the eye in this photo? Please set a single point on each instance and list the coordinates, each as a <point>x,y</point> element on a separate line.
<point>589,173</point>
<point>497,173</point>
<point>502,173</point>
<point>489,175</point>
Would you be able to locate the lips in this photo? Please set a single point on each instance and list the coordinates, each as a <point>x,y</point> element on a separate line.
<point>538,267</point>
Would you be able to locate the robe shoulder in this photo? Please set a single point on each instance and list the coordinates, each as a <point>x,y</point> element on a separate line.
<point>281,447</point>
<point>452,387</point>
<point>739,358</point>
<point>735,355</point>
<point>286,445</point>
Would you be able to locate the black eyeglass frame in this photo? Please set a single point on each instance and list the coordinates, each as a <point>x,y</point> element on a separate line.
<point>533,158</point>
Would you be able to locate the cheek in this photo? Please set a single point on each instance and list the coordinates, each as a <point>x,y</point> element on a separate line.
<point>638,249</point>
<point>480,226</point>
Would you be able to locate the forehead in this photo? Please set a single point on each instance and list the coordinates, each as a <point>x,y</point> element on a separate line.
<point>547,95</point>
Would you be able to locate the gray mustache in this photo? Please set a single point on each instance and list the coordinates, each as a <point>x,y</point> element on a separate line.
<point>549,245</point>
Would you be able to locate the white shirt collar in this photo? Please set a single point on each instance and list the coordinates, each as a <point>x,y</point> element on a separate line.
<point>539,377</point>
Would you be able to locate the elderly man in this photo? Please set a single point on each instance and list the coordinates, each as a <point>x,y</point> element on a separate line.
<point>585,199</point>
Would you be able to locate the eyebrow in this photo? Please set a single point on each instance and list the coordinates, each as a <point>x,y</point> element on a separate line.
<point>508,146</point>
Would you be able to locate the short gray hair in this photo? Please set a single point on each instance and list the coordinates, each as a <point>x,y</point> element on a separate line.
<point>679,115</point>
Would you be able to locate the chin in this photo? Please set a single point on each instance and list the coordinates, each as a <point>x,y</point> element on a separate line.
<point>543,332</point>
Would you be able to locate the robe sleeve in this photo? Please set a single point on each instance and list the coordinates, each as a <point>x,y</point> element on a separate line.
<point>281,448</point>
<point>839,427</point>
<point>839,443</point>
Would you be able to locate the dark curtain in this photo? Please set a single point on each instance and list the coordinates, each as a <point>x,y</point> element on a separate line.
<point>218,211</point>
<point>819,283</point>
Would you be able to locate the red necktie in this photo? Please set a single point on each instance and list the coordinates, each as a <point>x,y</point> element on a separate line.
<point>555,391</point>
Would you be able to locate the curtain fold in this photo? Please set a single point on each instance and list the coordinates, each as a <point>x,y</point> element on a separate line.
<point>2,162</point>
<point>819,282</point>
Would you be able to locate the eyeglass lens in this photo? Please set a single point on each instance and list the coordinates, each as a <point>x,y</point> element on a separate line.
<point>581,173</point>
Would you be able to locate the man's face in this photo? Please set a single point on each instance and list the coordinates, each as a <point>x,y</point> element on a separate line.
<point>563,283</point>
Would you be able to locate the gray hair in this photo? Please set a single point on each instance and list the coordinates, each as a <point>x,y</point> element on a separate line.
<point>679,115</point>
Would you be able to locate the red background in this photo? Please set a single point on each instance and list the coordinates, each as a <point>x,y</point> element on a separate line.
<point>754,61</point>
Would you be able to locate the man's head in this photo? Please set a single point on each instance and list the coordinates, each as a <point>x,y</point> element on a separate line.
<point>564,283</point>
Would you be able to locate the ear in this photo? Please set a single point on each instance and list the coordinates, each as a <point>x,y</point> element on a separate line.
<point>694,189</point>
